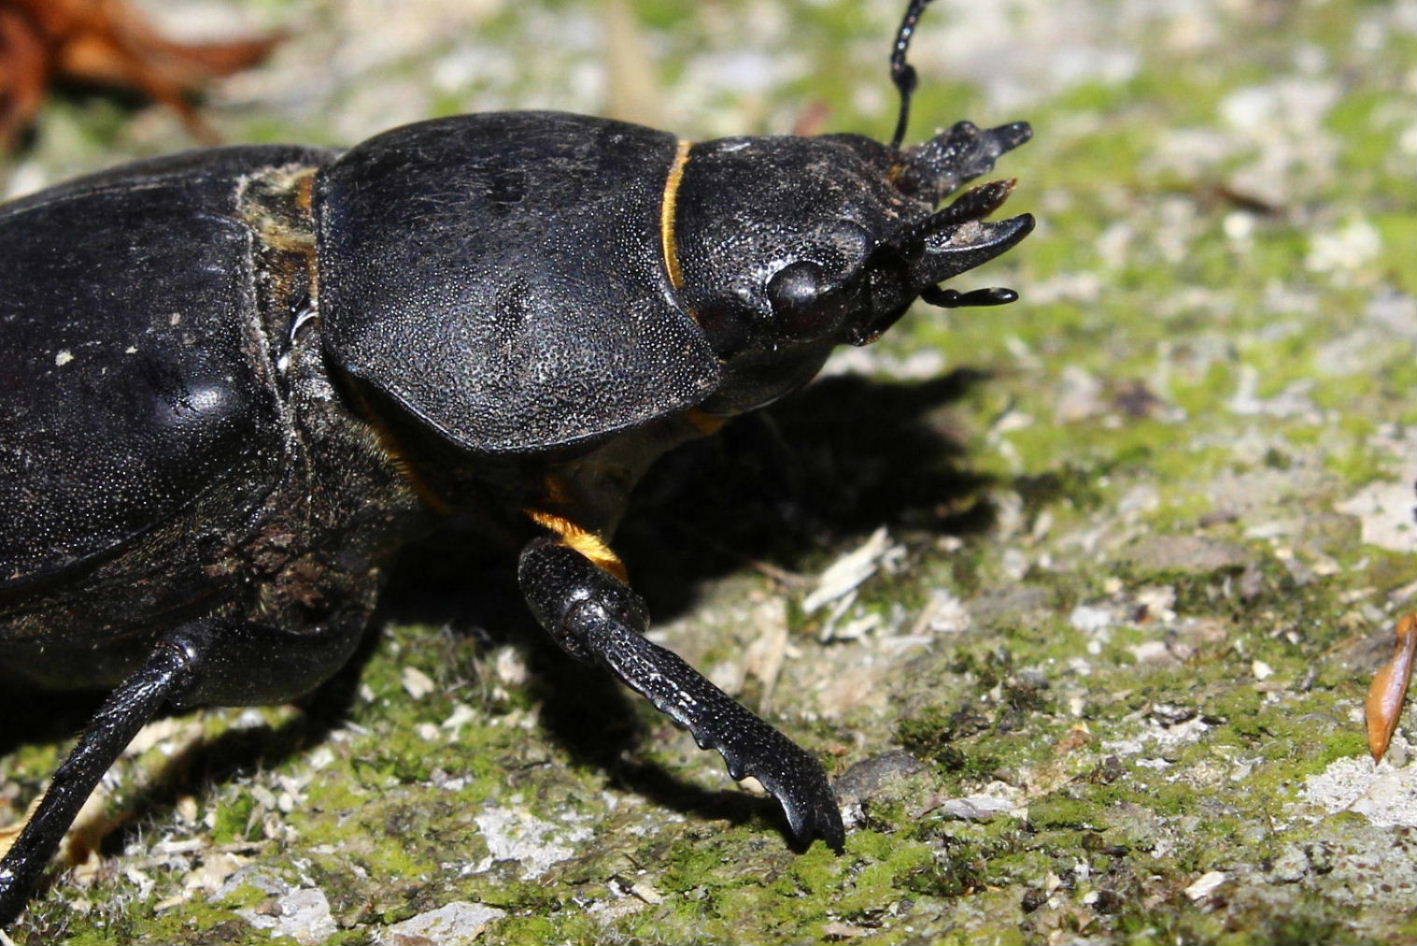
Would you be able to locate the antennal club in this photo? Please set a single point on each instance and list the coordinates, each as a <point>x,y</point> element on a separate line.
<point>902,72</point>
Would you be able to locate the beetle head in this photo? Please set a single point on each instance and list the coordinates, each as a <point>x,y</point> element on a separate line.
<point>790,246</point>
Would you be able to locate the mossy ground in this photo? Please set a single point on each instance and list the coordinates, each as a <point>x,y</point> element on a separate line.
<point>1146,524</point>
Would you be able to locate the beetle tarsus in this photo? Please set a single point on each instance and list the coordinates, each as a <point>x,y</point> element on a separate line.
<point>597,618</point>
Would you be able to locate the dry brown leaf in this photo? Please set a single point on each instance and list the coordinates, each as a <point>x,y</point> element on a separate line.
<point>1388,692</point>
<point>109,43</point>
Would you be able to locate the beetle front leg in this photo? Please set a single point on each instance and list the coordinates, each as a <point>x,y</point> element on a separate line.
<point>598,619</point>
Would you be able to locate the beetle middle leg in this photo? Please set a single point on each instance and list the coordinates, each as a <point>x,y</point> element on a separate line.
<point>169,673</point>
<point>597,618</point>
<point>210,661</point>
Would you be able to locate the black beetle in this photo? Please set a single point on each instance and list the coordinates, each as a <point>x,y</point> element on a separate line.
<point>236,381</point>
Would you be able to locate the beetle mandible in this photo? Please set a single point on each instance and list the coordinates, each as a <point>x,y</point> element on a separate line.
<point>257,371</point>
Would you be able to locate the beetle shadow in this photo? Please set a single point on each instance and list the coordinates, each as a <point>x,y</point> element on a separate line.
<point>835,461</point>
<point>826,466</point>
<point>30,716</point>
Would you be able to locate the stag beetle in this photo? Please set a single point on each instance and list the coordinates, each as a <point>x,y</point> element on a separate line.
<point>236,381</point>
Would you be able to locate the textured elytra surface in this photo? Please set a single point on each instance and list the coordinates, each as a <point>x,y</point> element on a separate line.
<point>1146,532</point>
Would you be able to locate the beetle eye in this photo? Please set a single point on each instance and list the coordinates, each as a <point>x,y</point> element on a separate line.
<point>803,306</point>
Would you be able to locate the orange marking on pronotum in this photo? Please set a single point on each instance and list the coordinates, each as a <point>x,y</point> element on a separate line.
<point>666,215</point>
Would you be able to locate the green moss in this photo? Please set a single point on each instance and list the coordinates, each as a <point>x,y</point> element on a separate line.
<point>243,897</point>
<point>1061,811</point>
<point>233,821</point>
<point>1399,241</point>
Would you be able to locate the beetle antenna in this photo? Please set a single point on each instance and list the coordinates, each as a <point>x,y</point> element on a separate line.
<point>902,72</point>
